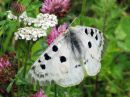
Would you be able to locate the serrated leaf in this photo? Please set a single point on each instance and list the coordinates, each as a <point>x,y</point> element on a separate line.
<point>120,33</point>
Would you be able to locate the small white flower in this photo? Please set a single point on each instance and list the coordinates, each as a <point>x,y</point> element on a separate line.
<point>27,20</point>
<point>11,16</point>
<point>23,16</point>
<point>40,16</point>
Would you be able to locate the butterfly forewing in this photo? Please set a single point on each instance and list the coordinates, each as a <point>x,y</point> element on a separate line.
<point>58,64</point>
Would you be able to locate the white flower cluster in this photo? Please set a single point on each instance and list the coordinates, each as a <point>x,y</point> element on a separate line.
<point>45,21</point>
<point>42,20</point>
<point>39,25</point>
<point>11,16</point>
<point>29,33</point>
<point>24,18</point>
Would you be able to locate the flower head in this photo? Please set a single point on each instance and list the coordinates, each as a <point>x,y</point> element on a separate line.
<point>17,7</point>
<point>7,69</point>
<point>29,33</point>
<point>55,32</point>
<point>25,19</point>
<point>4,62</point>
<point>42,20</point>
<point>11,16</point>
<point>45,20</point>
<point>38,94</point>
<point>57,7</point>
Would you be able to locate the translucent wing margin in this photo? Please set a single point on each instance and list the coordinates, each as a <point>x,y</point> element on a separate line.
<point>92,40</point>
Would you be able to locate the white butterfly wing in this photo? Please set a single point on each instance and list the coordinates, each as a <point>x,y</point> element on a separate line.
<point>57,64</point>
<point>92,39</point>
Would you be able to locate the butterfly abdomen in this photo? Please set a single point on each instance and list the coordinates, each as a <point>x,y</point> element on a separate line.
<point>75,43</point>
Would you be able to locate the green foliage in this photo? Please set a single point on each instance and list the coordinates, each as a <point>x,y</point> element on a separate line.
<point>110,16</point>
<point>122,34</point>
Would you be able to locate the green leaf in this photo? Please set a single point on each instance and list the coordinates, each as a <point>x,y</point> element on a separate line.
<point>117,71</point>
<point>85,21</point>
<point>9,33</point>
<point>38,47</point>
<point>20,82</point>
<point>26,2</point>
<point>10,86</point>
<point>34,5</point>
<point>122,34</point>
<point>1,32</point>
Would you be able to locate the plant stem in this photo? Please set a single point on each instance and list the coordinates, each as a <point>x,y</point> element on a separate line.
<point>96,87</point>
<point>55,90</point>
<point>104,23</point>
<point>83,10</point>
<point>27,56</point>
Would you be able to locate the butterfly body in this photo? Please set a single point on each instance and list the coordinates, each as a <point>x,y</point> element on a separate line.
<point>73,55</point>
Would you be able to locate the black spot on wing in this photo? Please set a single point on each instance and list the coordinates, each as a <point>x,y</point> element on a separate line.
<point>85,62</point>
<point>47,57</point>
<point>100,43</point>
<point>76,66</point>
<point>92,57</point>
<point>62,59</point>
<point>46,74</point>
<point>39,60</point>
<point>96,37</point>
<point>42,76</point>
<point>38,75</point>
<point>55,48</point>
<point>43,66</point>
<point>91,32</point>
<point>33,67</point>
<point>86,31</point>
<point>89,44</point>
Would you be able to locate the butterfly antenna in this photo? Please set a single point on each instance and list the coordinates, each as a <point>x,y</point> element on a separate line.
<point>73,21</point>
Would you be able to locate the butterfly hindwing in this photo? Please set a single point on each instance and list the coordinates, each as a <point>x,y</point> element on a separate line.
<point>92,40</point>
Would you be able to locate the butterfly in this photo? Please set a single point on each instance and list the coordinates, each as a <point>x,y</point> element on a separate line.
<point>73,55</point>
